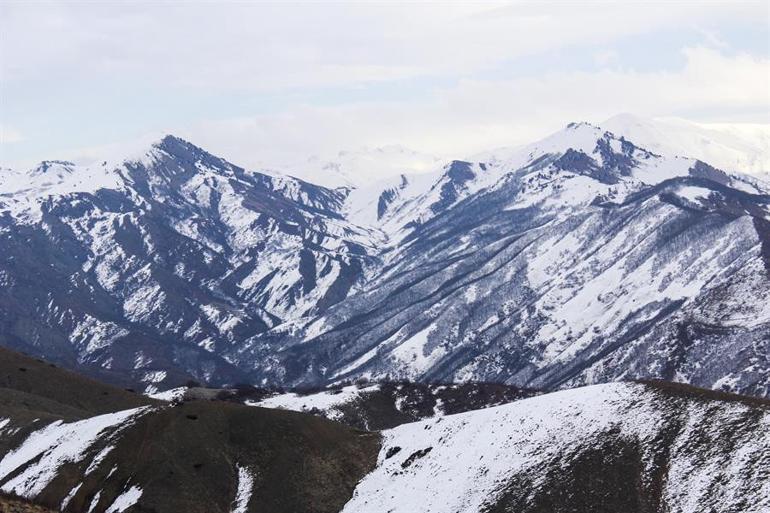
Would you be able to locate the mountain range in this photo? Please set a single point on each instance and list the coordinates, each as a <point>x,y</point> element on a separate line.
<point>556,327</point>
<point>594,255</point>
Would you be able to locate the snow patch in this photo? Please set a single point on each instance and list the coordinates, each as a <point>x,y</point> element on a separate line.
<point>125,500</point>
<point>245,489</point>
<point>328,401</point>
<point>46,450</point>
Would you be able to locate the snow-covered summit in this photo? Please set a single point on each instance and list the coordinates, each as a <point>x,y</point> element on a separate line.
<point>22,193</point>
<point>577,165</point>
<point>364,166</point>
<point>733,147</point>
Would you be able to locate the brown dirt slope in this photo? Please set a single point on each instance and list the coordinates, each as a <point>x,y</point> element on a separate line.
<point>184,457</point>
<point>10,504</point>
<point>76,395</point>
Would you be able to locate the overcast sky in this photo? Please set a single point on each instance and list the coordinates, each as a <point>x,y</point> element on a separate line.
<point>268,83</point>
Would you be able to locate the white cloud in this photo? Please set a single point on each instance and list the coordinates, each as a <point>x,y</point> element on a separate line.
<point>269,46</point>
<point>607,58</point>
<point>477,115</point>
<point>9,135</point>
<point>255,50</point>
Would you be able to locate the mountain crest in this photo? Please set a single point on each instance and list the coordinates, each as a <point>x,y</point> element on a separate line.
<point>47,165</point>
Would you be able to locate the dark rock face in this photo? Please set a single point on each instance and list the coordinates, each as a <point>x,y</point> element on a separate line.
<point>384,201</point>
<point>703,170</point>
<point>579,162</point>
<point>457,174</point>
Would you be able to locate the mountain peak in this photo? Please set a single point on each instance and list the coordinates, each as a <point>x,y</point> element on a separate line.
<point>576,125</point>
<point>170,140</point>
<point>178,149</point>
<point>46,166</point>
<point>175,145</point>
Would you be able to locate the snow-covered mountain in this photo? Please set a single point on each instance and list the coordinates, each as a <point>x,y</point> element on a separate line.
<point>362,167</point>
<point>742,147</point>
<point>585,257</point>
<point>166,264</point>
<point>581,258</point>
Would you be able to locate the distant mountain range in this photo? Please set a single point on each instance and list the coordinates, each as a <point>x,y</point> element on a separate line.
<point>743,147</point>
<point>586,257</point>
<point>362,168</point>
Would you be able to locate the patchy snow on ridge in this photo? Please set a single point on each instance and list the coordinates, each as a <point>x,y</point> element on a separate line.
<point>462,463</point>
<point>327,401</point>
<point>47,449</point>
<point>694,194</point>
<point>70,496</point>
<point>170,395</point>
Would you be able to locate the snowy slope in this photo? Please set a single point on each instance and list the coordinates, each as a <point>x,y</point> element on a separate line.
<point>579,259</point>
<point>28,469</point>
<point>70,444</point>
<point>605,446</point>
<point>327,403</point>
<point>630,447</point>
<point>733,147</point>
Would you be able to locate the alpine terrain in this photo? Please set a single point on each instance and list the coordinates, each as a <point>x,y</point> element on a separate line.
<point>586,257</point>
<point>384,257</point>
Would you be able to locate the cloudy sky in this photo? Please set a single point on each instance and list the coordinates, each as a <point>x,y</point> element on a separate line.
<point>268,83</point>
